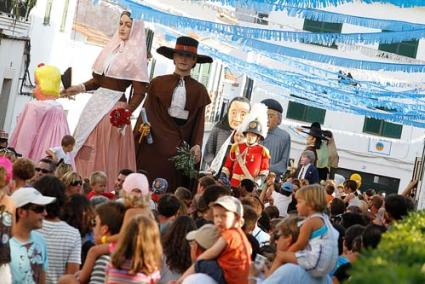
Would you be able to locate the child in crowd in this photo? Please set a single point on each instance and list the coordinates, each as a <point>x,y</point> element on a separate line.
<point>63,152</point>
<point>229,259</point>
<point>316,249</point>
<point>137,256</point>
<point>98,186</point>
<point>203,182</point>
<point>330,189</point>
<point>185,197</point>
<point>159,188</point>
<point>282,197</point>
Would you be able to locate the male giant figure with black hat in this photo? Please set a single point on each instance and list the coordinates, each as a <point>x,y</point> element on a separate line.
<point>278,140</point>
<point>175,109</point>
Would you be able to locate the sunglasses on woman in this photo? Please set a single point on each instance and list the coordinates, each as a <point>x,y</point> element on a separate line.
<point>44,171</point>
<point>76,182</point>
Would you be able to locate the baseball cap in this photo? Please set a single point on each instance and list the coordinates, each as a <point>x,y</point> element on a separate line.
<point>231,204</point>
<point>26,195</point>
<point>205,236</point>
<point>136,181</point>
<point>287,186</point>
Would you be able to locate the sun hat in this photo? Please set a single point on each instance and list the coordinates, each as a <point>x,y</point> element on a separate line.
<point>136,181</point>
<point>186,45</point>
<point>205,236</point>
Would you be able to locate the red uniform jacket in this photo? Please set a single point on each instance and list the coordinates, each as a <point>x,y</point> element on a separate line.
<point>255,157</point>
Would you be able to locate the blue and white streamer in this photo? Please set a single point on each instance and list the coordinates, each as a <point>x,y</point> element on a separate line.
<point>329,59</point>
<point>152,15</point>
<point>331,17</point>
<point>311,91</point>
<point>278,5</point>
<point>315,96</point>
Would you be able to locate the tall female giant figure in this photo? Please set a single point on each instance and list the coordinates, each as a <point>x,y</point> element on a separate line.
<point>123,62</point>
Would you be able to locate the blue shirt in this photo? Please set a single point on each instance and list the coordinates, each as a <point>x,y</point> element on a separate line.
<point>29,259</point>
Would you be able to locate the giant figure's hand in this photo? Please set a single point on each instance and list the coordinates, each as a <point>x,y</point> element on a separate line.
<point>72,91</point>
<point>196,151</point>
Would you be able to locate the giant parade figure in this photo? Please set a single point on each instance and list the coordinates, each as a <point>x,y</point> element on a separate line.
<point>175,113</point>
<point>249,159</point>
<point>103,143</point>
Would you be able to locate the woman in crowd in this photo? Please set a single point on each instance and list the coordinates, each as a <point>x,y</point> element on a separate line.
<point>63,241</point>
<point>79,213</point>
<point>73,183</point>
<point>176,257</point>
<point>109,217</point>
<point>122,63</point>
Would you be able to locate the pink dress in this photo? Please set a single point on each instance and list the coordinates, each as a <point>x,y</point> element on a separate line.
<point>40,126</point>
<point>99,145</point>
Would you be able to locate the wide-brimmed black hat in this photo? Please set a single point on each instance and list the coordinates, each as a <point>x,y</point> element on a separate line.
<point>314,130</point>
<point>185,44</point>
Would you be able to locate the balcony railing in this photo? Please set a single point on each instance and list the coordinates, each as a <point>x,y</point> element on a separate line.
<point>17,8</point>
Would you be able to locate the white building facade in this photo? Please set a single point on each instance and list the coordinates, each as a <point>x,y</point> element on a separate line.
<point>384,154</point>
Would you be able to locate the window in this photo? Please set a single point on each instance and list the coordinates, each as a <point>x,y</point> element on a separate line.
<point>262,19</point>
<point>382,128</point>
<point>322,27</point>
<point>305,113</point>
<point>64,15</point>
<point>4,100</point>
<point>405,48</point>
<point>201,72</point>
<point>47,12</point>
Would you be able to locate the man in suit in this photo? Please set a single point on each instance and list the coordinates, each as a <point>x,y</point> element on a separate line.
<point>306,169</point>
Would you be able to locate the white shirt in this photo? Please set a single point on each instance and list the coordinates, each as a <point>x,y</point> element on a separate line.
<point>281,202</point>
<point>178,102</point>
<point>63,246</point>
<point>262,237</point>
<point>60,154</point>
<point>303,171</point>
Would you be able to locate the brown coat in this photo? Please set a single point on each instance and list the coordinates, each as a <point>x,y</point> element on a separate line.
<point>166,134</point>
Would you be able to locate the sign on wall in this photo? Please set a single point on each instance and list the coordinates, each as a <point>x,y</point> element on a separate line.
<point>380,146</point>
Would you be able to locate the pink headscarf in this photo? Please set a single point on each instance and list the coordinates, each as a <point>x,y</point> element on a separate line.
<point>130,62</point>
<point>136,180</point>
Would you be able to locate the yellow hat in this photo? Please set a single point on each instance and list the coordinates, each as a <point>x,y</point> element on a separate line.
<point>357,178</point>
